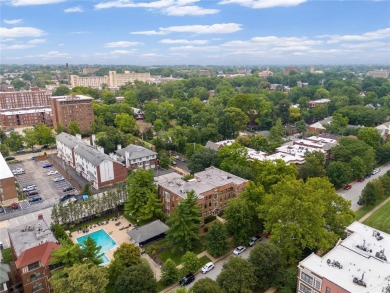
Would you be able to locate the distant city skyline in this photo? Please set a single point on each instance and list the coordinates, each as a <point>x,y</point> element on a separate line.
<point>180,32</point>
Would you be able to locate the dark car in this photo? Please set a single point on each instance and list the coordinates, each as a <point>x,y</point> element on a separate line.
<point>47,166</point>
<point>1,210</point>
<point>34,150</point>
<point>9,158</point>
<point>253,240</point>
<point>31,193</point>
<point>14,206</point>
<point>67,196</point>
<point>360,202</point>
<point>361,179</point>
<point>347,187</point>
<point>187,280</point>
<point>35,198</point>
<point>68,188</point>
<point>367,176</point>
<point>46,146</point>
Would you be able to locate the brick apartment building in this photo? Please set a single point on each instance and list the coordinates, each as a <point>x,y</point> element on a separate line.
<point>135,156</point>
<point>31,246</point>
<point>7,182</point>
<point>66,109</point>
<point>25,99</point>
<point>357,264</point>
<point>95,166</point>
<point>213,187</point>
<point>26,117</point>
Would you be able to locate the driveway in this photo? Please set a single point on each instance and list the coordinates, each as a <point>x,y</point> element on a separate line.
<point>357,187</point>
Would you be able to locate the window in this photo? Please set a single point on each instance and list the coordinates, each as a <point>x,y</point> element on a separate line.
<point>35,276</point>
<point>317,284</point>
<point>167,196</point>
<point>308,279</point>
<point>327,290</point>
<point>33,266</point>
<point>303,288</point>
<point>37,287</point>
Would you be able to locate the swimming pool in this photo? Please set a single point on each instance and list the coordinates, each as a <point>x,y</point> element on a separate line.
<point>102,239</point>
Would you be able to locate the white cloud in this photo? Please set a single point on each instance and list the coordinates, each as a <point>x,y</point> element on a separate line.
<point>12,21</point>
<point>7,40</point>
<point>218,28</point>
<point>369,36</point>
<point>122,44</point>
<point>120,52</point>
<point>259,4</point>
<point>75,9</point>
<point>18,32</point>
<point>183,41</point>
<point>365,45</point>
<point>33,2</point>
<point>149,33</point>
<point>50,55</point>
<point>60,45</point>
<point>37,41</point>
<point>18,47</point>
<point>195,48</point>
<point>79,33</point>
<point>147,55</point>
<point>168,7</point>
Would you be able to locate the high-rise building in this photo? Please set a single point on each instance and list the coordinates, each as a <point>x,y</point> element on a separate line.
<point>379,73</point>
<point>24,99</point>
<point>66,109</point>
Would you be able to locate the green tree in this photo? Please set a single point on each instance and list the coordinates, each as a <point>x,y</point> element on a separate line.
<point>74,128</point>
<point>68,254</point>
<point>358,168</point>
<point>267,263</point>
<point>14,141</point>
<point>236,118</point>
<point>60,128</point>
<point>202,159</point>
<point>61,90</point>
<point>136,279</point>
<point>337,125</point>
<point>237,276</point>
<point>184,224</point>
<point>30,138</point>
<point>370,136</point>
<point>206,285</point>
<point>339,173</point>
<point>301,126</point>
<point>125,256</point>
<point>233,155</point>
<point>80,278</point>
<point>44,134</point>
<point>87,190</point>
<point>382,154</point>
<point>142,193</point>
<point>163,159</point>
<point>4,150</point>
<point>126,123</point>
<point>277,132</point>
<point>217,241</point>
<point>313,166</point>
<point>91,251</point>
<point>110,139</point>
<point>60,234</point>
<point>169,272</point>
<point>191,263</point>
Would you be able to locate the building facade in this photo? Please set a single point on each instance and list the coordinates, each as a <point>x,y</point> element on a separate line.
<point>357,264</point>
<point>7,182</point>
<point>213,187</point>
<point>26,117</point>
<point>66,109</point>
<point>31,246</point>
<point>379,73</point>
<point>24,99</point>
<point>98,168</point>
<point>135,156</point>
<point>112,80</point>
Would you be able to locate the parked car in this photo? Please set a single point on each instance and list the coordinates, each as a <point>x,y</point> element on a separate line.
<point>67,196</point>
<point>18,171</point>
<point>68,188</point>
<point>367,176</point>
<point>361,179</point>
<point>182,160</point>
<point>254,240</point>
<point>31,193</point>
<point>1,210</point>
<point>347,187</point>
<point>375,171</point>
<point>174,163</point>
<point>9,158</point>
<point>58,179</point>
<point>187,280</point>
<point>46,146</point>
<point>68,201</point>
<point>34,150</point>
<point>360,202</point>
<point>239,250</point>
<point>267,235</point>
<point>52,172</point>
<point>207,267</point>
<point>20,151</point>
<point>35,198</point>
<point>14,206</point>
<point>47,165</point>
<point>30,187</point>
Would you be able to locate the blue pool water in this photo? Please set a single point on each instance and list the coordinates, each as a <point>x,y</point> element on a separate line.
<point>102,239</point>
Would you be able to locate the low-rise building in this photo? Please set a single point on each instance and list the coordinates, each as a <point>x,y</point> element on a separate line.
<point>31,246</point>
<point>384,129</point>
<point>138,113</point>
<point>357,264</point>
<point>26,117</point>
<point>7,182</point>
<point>112,80</point>
<point>135,156</point>
<point>213,187</point>
<point>314,103</point>
<point>95,166</point>
<point>319,126</point>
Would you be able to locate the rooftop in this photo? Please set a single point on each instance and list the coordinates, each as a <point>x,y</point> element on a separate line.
<point>73,97</point>
<point>24,236</point>
<point>204,181</point>
<point>26,111</point>
<point>40,253</point>
<point>135,152</point>
<point>361,255</point>
<point>5,171</point>
<point>148,231</point>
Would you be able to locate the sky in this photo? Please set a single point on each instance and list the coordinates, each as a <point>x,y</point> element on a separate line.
<point>195,32</point>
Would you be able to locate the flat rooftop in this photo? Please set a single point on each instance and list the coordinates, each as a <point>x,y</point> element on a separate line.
<point>5,171</point>
<point>73,98</point>
<point>357,255</point>
<point>204,181</point>
<point>26,111</point>
<point>30,235</point>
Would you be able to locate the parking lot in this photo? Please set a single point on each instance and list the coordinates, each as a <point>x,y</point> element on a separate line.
<point>47,185</point>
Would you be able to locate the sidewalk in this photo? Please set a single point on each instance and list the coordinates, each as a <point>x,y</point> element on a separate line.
<point>200,255</point>
<point>366,216</point>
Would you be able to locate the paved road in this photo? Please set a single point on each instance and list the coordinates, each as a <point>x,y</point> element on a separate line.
<point>357,187</point>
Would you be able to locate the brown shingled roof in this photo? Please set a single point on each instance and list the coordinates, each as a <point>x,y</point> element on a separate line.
<point>38,253</point>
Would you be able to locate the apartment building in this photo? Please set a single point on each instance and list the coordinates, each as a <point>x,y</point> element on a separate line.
<point>98,168</point>
<point>379,73</point>
<point>289,69</point>
<point>357,264</point>
<point>7,182</point>
<point>112,80</point>
<point>135,156</point>
<point>31,246</point>
<point>213,187</point>
<point>26,117</point>
<point>66,109</point>
<point>25,99</point>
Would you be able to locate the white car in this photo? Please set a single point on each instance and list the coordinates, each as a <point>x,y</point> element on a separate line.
<point>18,171</point>
<point>52,172</point>
<point>58,179</point>
<point>207,267</point>
<point>375,171</point>
<point>30,187</point>
<point>239,250</point>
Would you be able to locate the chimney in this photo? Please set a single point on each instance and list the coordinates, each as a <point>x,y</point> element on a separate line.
<point>119,147</point>
<point>136,142</point>
<point>153,148</point>
<point>93,139</point>
<point>78,136</point>
<point>40,217</point>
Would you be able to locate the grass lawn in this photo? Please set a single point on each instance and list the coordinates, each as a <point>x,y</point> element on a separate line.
<point>360,213</point>
<point>380,219</point>
<point>7,255</point>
